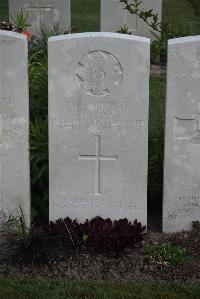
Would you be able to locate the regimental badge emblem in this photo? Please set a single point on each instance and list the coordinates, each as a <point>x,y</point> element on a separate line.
<point>99,73</point>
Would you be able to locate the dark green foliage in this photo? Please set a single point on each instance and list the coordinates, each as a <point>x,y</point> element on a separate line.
<point>39,167</point>
<point>196,6</point>
<point>99,235</point>
<point>156,139</point>
<point>4,10</point>
<point>38,82</point>
<point>39,150</point>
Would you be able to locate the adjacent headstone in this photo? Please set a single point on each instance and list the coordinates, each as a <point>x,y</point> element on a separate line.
<point>14,127</point>
<point>45,14</point>
<point>113,16</point>
<point>98,126</point>
<point>182,141</point>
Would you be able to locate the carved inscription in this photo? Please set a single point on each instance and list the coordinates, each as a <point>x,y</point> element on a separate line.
<point>7,101</point>
<point>96,203</point>
<point>188,65</point>
<point>97,158</point>
<point>101,116</point>
<point>99,73</point>
<point>98,125</point>
<point>188,207</point>
<point>11,125</point>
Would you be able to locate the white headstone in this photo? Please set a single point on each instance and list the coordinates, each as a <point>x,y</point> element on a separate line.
<point>182,141</point>
<point>98,126</point>
<point>113,16</point>
<point>14,127</point>
<point>43,13</point>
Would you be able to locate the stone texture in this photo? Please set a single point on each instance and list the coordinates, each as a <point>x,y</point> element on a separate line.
<point>43,13</point>
<point>14,127</point>
<point>182,141</point>
<point>98,126</point>
<point>113,16</point>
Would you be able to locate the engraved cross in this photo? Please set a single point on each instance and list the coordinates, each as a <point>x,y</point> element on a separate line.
<point>97,158</point>
<point>39,8</point>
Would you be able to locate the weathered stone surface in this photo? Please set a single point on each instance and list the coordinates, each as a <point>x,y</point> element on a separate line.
<point>14,127</point>
<point>182,141</point>
<point>113,16</point>
<point>98,126</point>
<point>43,13</point>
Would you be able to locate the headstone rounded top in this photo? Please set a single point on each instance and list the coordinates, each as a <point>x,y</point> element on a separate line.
<point>12,34</point>
<point>99,35</point>
<point>184,39</point>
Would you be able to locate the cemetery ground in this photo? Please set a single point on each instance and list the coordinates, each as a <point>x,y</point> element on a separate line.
<point>157,258</point>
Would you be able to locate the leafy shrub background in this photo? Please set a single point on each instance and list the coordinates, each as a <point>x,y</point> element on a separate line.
<point>38,86</point>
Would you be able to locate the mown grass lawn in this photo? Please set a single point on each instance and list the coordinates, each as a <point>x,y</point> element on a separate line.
<point>60,289</point>
<point>180,13</point>
<point>85,15</point>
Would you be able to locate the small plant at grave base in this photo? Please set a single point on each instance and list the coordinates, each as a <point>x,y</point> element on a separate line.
<point>20,21</point>
<point>124,30</point>
<point>99,235</point>
<point>19,224</point>
<point>167,254</point>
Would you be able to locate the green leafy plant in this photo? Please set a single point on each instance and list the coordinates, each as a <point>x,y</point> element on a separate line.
<point>19,224</point>
<point>124,30</point>
<point>39,166</point>
<point>20,20</point>
<point>162,32</point>
<point>167,254</point>
<point>38,82</point>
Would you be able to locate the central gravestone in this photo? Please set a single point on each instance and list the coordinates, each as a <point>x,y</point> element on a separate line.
<point>43,13</point>
<point>98,126</point>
